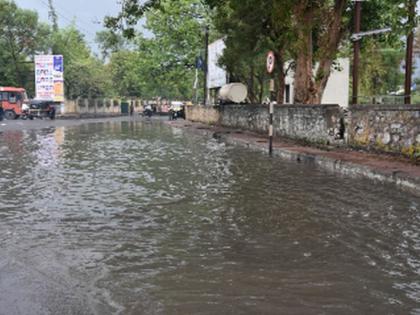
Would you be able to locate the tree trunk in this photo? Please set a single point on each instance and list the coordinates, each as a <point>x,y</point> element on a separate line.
<point>303,81</point>
<point>261,89</point>
<point>281,78</point>
<point>330,40</point>
<point>251,90</point>
<point>309,90</point>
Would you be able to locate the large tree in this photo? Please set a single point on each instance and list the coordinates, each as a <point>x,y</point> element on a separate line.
<point>165,59</point>
<point>84,74</point>
<point>21,37</point>
<point>311,33</point>
<point>251,28</point>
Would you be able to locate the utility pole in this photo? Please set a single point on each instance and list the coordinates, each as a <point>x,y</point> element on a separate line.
<point>409,54</point>
<point>52,15</point>
<point>206,62</point>
<point>356,54</point>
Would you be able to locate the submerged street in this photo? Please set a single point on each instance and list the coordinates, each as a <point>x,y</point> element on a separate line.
<point>135,217</point>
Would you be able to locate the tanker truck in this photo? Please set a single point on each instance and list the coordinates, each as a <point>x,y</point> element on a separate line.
<point>233,93</point>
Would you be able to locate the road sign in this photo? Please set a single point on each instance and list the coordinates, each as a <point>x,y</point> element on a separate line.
<point>271,62</point>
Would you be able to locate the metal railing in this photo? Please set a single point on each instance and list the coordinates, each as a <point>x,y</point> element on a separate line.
<point>381,100</point>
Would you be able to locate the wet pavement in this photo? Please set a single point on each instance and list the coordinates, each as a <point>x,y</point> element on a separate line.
<point>135,217</point>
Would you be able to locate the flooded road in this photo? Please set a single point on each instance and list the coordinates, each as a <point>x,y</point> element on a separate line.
<point>139,218</point>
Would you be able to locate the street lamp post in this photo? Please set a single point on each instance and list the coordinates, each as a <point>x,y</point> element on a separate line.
<point>409,52</point>
<point>206,62</point>
<point>356,54</point>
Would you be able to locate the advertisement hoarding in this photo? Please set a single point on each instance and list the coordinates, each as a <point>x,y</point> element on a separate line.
<point>49,77</point>
<point>217,76</point>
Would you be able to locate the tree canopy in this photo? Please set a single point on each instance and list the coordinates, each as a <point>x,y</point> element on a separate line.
<point>158,59</point>
<point>306,35</point>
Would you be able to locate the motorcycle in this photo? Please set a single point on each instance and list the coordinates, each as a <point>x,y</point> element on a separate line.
<point>176,112</point>
<point>26,112</point>
<point>148,112</point>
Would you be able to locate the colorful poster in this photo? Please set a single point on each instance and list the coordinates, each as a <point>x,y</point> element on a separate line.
<point>217,76</point>
<point>49,77</point>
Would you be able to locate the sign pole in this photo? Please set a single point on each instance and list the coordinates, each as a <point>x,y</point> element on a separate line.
<point>356,52</point>
<point>409,53</point>
<point>271,62</point>
<point>206,63</point>
<point>271,115</point>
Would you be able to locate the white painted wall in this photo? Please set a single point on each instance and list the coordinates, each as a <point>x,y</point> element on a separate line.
<point>337,90</point>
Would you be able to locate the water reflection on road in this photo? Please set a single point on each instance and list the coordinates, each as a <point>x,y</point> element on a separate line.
<point>139,218</point>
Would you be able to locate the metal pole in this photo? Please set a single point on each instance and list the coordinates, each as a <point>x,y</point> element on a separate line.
<point>271,115</point>
<point>206,61</point>
<point>356,53</point>
<point>409,53</point>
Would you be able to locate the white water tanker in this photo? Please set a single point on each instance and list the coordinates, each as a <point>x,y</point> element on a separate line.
<point>233,93</point>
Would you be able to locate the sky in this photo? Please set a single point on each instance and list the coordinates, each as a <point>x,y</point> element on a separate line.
<point>87,14</point>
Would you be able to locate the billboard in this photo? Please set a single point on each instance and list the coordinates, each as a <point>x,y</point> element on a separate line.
<point>49,77</point>
<point>217,76</point>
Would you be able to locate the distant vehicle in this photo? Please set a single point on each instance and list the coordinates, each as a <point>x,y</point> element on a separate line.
<point>148,111</point>
<point>39,109</point>
<point>12,99</point>
<point>177,110</point>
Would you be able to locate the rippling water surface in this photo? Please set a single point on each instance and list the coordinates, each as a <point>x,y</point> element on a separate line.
<point>139,218</point>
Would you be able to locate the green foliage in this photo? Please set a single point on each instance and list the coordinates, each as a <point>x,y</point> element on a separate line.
<point>110,42</point>
<point>127,73</point>
<point>21,36</point>
<point>380,69</point>
<point>84,74</point>
<point>163,65</point>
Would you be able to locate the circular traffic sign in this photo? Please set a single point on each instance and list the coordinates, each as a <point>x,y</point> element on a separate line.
<point>271,62</point>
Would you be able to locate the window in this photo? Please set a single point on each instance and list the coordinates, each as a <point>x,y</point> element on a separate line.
<point>4,96</point>
<point>12,97</point>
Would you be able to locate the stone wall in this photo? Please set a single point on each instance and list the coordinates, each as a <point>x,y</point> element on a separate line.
<point>315,124</point>
<point>386,128</point>
<point>381,128</point>
<point>204,114</point>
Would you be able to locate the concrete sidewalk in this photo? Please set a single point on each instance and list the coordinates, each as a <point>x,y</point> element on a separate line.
<point>382,168</point>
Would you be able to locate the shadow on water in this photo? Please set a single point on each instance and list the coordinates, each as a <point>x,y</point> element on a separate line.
<point>134,217</point>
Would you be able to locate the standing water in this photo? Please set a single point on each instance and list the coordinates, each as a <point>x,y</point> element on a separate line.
<point>140,218</point>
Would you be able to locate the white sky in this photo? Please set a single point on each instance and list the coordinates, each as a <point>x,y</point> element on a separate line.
<point>87,14</point>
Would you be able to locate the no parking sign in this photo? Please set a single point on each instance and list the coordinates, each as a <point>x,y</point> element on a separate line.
<point>271,62</point>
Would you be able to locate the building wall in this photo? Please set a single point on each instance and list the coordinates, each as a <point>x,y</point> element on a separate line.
<point>337,89</point>
<point>386,128</point>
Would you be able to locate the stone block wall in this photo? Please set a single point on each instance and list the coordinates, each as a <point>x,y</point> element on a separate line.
<point>380,128</point>
<point>203,114</point>
<point>320,124</point>
<point>386,128</point>
<point>316,124</point>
